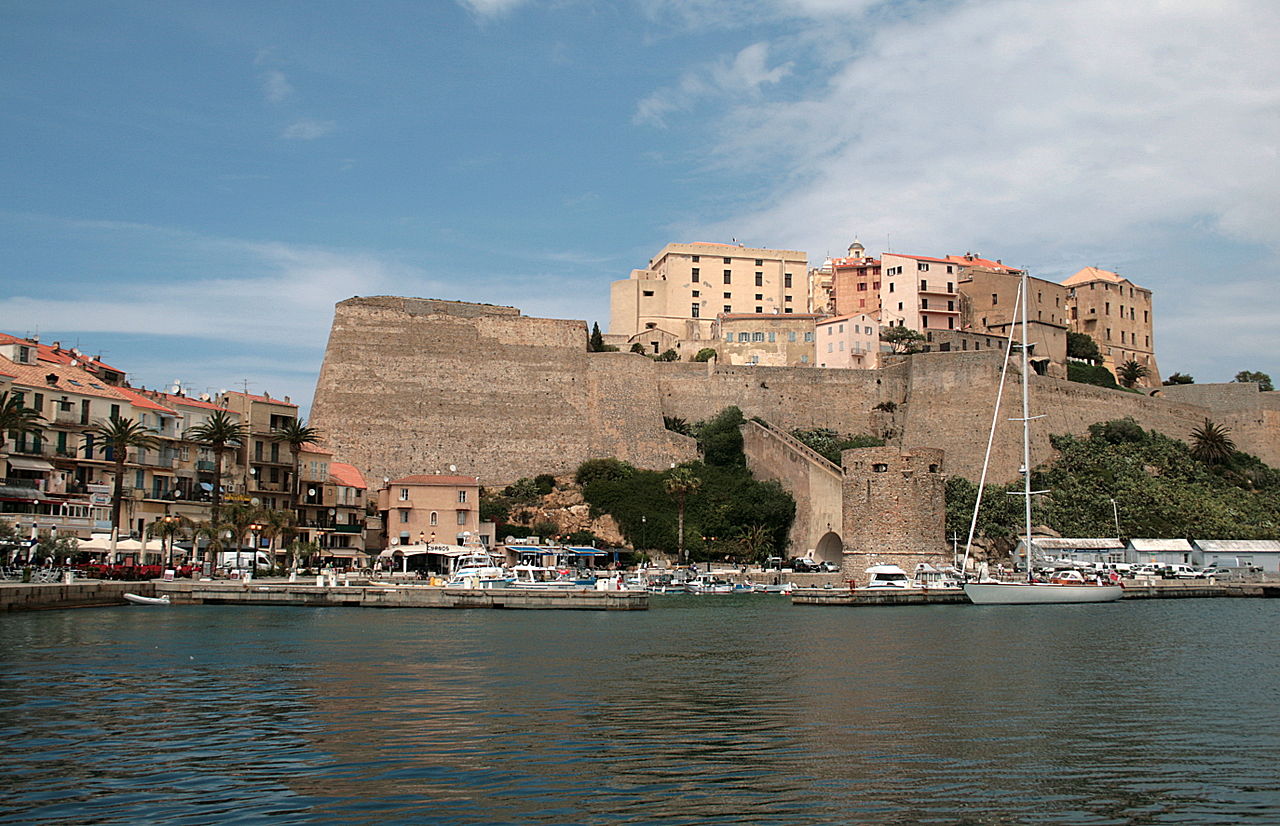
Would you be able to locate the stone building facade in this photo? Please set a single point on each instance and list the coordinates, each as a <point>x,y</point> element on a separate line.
<point>771,340</point>
<point>894,509</point>
<point>1117,315</point>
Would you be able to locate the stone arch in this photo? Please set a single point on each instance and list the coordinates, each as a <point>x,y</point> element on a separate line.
<point>830,548</point>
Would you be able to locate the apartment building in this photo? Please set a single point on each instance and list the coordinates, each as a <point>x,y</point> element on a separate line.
<point>855,283</point>
<point>919,292</point>
<point>677,297</point>
<point>989,304</point>
<point>427,509</point>
<point>1117,314</point>
<point>847,341</point>
<point>263,466</point>
<point>765,340</point>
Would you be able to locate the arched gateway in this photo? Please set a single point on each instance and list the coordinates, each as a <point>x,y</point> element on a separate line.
<point>830,548</point>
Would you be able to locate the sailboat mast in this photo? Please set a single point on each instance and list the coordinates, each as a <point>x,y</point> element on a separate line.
<point>1026,430</point>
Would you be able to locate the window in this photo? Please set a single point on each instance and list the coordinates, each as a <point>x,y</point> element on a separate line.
<point>791,336</point>
<point>787,310</point>
<point>922,266</point>
<point>951,305</point>
<point>404,494</point>
<point>924,321</point>
<point>924,303</point>
<point>727,295</point>
<point>695,258</point>
<point>462,496</point>
<point>786,281</point>
<point>759,279</point>
<point>759,296</point>
<point>728,337</point>
<point>693,310</point>
<point>951,286</point>
<point>995,299</point>
<point>696,293</point>
<point>1106,308</point>
<point>647,293</point>
<point>924,285</point>
<point>728,277</point>
<point>744,337</point>
<point>115,412</point>
<point>804,359</point>
<point>786,298</point>
<point>899,306</point>
<point>951,323</point>
<point>435,519</point>
<point>697,272</point>
<point>879,468</point>
<point>759,262</point>
<point>275,451</point>
<point>404,517</point>
<point>84,411</point>
<point>773,337</point>
<point>808,337</point>
<point>830,348</point>
<point>728,309</point>
<point>759,310</point>
<point>757,336</point>
<point>728,260</point>
<point>462,517</point>
<point>862,286</point>
<point>257,451</point>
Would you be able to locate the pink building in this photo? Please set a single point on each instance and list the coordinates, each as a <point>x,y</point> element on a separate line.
<point>848,341</point>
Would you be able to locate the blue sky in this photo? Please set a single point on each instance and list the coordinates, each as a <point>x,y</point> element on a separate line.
<point>188,188</point>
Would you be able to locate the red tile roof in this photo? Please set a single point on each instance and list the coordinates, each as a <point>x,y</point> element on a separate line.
<point>921,258</point>
<point>85,383</point>
<point>266,399</point>
<point>429,479</point>
<point>139,400</point>
<point>975,261</point>
<point>175,399</point>
<point>342,473</point>
<point>1094,274</point>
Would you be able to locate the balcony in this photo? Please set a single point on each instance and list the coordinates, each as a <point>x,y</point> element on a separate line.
<point>205,465</point>
<point>348,528</point>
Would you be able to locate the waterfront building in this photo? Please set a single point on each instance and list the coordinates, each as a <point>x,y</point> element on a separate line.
<point>847,341</point>
<point>263,467</point>
<point>345,504</point>
<point>674,301</point>
<point>765,340</point>
<point>430,509</point>
<point>1117,315</point>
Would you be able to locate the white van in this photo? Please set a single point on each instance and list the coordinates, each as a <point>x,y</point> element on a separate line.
<point>1180,571</point>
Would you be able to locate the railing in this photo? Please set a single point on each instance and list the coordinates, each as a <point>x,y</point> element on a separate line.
<point>348,528</point>
<point>29,484</point>
<point>204,464</point>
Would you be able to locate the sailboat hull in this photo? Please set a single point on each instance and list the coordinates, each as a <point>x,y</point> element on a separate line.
<point>1038,593</point>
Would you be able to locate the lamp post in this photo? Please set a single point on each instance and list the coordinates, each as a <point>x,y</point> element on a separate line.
<point>254,528</point>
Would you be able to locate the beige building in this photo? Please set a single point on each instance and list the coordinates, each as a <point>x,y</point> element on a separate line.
<point>765,340</point>
<point>988,299</point>
<point>847,341</point>
<point>1117,314</point>
<point>430,509</point>
<point>919,292</point>
<point>264,466</point>
<point>677,298</point>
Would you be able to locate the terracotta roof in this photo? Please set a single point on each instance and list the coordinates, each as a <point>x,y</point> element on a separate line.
<point>426,479</point>
<point>175,399</point>
<point>58,355</point>
<point>266,399</point>
<point>139,400</point>
<point>920,258</point>
<point>70,380</point>
<point>846,317</point>
<point>312,447</point>
<point>975,261</point>
<point>341,473</point>
<point>1093,274</point>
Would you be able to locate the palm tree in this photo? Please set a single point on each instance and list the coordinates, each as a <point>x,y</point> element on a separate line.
<point>15,417</point>
<point>219,432</point>
<point>213,533</point>
<point>276,525</point>
<point>168,529</point>
<point>119,435</point>
<point>296,433</point>
<point>680,483</point>
<point>1211,444</point>
<point>241,520</point>
<point>1131,372</point>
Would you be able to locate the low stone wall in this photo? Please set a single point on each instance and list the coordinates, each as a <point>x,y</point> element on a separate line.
<point>83,594</point>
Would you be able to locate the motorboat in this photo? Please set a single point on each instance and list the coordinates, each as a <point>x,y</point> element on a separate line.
<point>138,599</point>
<point>478,571</point>
<point>887,576</point>
<point>538,576</point>
<point>708,584</point>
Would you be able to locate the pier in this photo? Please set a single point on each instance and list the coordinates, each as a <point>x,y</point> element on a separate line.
<point>1175,589</point>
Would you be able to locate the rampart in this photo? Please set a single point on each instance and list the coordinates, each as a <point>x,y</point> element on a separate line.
<point>415,385</point>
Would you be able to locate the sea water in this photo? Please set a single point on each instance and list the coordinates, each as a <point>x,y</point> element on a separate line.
<point>709,709</point>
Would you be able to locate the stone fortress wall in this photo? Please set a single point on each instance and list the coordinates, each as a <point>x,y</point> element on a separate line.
<point>415,385</point>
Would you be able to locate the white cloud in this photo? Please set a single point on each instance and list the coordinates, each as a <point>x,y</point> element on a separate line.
<point>275,86</point>
<point>307,130</point>
<point>744,74</point>
<point>491,8</point>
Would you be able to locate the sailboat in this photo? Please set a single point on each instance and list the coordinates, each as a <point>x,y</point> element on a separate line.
<point>1028,591</point>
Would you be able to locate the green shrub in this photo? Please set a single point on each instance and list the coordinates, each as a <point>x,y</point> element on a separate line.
<point>1090,374</point>
<point>597,470</point>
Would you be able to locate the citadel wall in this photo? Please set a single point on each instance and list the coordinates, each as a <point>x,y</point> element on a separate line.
<point>415,385</point>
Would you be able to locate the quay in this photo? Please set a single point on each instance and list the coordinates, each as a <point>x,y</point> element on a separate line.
<point>943,596</point>
<point>94,593</point>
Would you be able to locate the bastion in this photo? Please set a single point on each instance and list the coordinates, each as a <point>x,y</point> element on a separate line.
<point>412,385</point>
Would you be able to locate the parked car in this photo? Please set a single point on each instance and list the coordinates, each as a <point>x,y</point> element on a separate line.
<point>1218,572</point>
<point>828,567</point>
<point>804,565</point>
<point>1180,571</point>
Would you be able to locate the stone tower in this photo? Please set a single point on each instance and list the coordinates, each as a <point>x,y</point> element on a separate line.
<point>894,509</point>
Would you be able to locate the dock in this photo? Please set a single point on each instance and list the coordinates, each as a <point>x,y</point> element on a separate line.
<point>187,592</point>
<point>1174,589</point>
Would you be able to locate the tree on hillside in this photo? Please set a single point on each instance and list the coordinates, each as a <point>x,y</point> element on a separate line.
<point>119,436</point>
<point>679,484</point>
<point>1211,444</point>
<point>1179,378</point>
<point>705,354</point>
<point>15,417</point>
<point>1082,346</point>
<point>1262,379</point>
<point>1131,372</point>
<point>903,339</point>
<point>596,343</point>
<point>667,355</point>
<point>720,438</point>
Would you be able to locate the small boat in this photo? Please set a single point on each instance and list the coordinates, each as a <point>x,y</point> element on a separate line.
<point>138,599</point>
<point>887,576</point>
<point>708,584</point>
<point>478,571</point>
<point>537,576</point>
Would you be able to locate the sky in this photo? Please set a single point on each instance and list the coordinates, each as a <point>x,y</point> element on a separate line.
<point>187,188</point>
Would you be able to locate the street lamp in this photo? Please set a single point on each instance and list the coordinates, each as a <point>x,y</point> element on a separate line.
<point>254,528</point>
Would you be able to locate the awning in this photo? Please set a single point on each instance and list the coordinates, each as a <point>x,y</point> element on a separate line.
<point>27,463</point>
<point>344,553</point>
<point>206,486</point>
